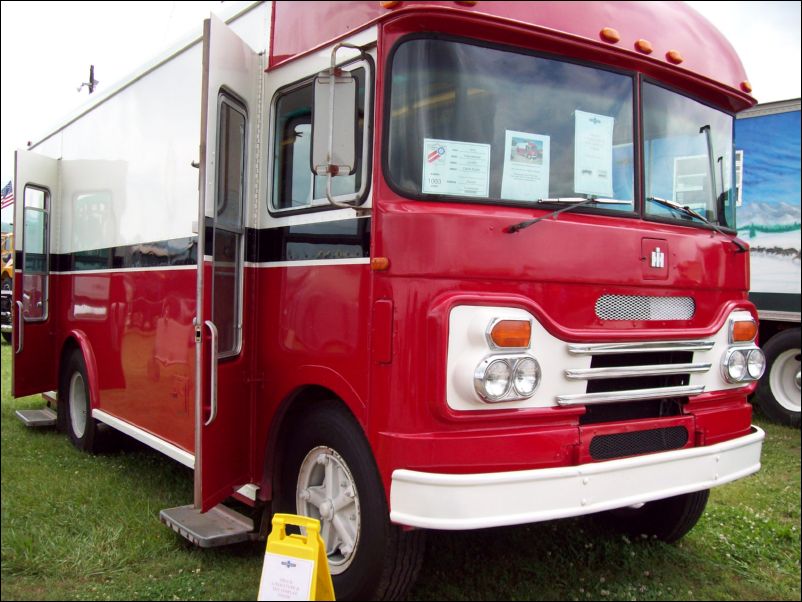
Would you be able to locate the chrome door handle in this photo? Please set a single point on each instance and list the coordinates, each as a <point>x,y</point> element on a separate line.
<point>212,372</point>
<point>20,328</point>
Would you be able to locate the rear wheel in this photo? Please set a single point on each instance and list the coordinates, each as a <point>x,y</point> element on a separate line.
<point>778,393</point>
<point>667,520</point>
<point>329,474</point>
<point>74,394</point>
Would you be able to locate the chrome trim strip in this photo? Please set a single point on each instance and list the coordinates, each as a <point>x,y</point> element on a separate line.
<point>640,347</point>
<point>149,439</point>
<point>636,395</point>
<point>627,371</point>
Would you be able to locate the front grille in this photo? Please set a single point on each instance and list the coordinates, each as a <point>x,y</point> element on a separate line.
<point>631,410</point>
<point>642,381</point>
<point>629,372</point>
<point>619,445</point>
<point>638,307</point>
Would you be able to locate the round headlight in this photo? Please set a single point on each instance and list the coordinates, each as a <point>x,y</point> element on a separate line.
<point>755,363</point>
<point>736,366</point>
<point>496,381</point>
<point>526,377</point>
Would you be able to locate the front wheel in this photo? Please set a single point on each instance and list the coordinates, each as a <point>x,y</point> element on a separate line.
<point>778,393</point>
<point>329,474</point>
<point>667,520</point>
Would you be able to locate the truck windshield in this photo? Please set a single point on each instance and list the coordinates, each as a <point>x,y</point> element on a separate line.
<point>688,158</point>
<point>471,122</point>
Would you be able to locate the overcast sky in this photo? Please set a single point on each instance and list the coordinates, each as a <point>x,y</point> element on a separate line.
<point>47,48</point>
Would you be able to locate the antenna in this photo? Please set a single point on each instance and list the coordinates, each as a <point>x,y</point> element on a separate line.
<point>92,81</point>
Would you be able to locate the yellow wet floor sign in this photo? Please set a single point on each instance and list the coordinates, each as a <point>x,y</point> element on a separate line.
<point>295,567</point>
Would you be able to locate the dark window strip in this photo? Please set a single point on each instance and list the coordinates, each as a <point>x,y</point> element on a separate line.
<point>342,239</point>
<point>165,253</point>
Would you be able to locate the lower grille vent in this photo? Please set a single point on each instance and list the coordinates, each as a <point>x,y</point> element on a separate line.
<point>606,447</point>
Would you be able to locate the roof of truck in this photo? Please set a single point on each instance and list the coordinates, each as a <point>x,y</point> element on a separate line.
<point>300,27</point>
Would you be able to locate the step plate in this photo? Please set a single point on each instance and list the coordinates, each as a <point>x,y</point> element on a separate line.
<point>219,526</point>
<point>37,418</point>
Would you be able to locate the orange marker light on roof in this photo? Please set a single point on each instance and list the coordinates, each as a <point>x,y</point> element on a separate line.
<point>511,333</point>
<point>608,34</point>
<point>673,56</point>
<point>466,2</point>
<point>746,86</point>
<point>644,46</point>
<point>389,4</point>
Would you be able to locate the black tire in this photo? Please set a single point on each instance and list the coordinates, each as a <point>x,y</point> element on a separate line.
<point>667,520</point>
<point>7,337</point>
<point>385,560</point>
<point>74,398</point>
<point>778,393</point>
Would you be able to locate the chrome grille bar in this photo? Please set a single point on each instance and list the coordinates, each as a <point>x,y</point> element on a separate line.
<point>641,347</point>
<point>630,371</point>
<point>637,395</point>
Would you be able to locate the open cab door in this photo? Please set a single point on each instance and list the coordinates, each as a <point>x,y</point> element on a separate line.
<point>35,357</point>
<point>230,104</point>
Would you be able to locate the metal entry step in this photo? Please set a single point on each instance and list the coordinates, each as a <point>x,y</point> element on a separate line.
<point>45,417</point>
<point>219,526</point>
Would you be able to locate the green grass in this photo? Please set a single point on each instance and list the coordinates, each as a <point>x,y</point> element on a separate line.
<point>76,526</point>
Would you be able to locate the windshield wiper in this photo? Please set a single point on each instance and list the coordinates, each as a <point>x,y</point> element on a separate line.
<point>688,211</point>
<point>574,203</point>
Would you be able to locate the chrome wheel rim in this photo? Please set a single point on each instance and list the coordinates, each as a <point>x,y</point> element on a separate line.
<point>78,405</point>
<point>327,491</point>
<point>784,380</point>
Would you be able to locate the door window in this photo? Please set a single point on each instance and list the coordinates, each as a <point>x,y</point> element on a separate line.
<point>35,253</point>
<point>228,229</point>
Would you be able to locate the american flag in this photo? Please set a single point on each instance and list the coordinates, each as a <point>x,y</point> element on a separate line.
<point>8,195</point>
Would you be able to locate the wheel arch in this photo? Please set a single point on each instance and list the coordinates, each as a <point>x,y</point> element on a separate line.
<point>77,339</point>
<point>287,417</point>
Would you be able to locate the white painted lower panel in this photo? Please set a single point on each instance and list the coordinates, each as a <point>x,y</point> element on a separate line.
<point>160,445</point>
<point>475,501</point>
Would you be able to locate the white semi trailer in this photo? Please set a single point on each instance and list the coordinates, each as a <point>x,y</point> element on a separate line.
<point>767,141</point>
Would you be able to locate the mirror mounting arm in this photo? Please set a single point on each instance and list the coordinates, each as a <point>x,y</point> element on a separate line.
<point>332,170</point>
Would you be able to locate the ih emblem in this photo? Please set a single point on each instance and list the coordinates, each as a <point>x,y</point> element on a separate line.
<point>658,258</point>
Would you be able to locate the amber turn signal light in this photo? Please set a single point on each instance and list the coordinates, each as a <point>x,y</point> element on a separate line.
<point>511,333</point>
<point>744,331</point>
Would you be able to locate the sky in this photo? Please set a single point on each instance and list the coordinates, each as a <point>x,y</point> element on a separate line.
<point>47,47</point>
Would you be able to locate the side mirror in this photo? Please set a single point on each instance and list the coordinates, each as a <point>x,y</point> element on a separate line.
<point>334,128</point>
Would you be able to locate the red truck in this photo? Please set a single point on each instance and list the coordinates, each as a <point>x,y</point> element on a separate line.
<point>323,303</point>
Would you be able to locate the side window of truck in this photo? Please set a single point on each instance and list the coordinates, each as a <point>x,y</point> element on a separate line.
<point>295,186</point>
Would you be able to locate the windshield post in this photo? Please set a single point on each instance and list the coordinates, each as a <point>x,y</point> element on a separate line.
<point>705,129</point>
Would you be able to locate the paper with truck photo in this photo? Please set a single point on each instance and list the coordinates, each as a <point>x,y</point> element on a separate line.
<point>456,168</point>
<point>526,166</point>
<point>593,154</point>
